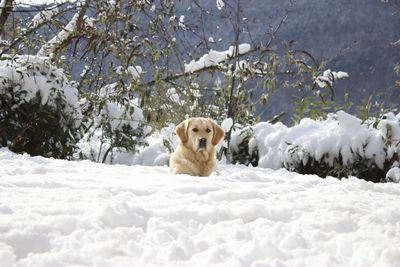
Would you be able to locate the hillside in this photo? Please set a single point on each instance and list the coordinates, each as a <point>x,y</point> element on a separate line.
<point>354,36</point>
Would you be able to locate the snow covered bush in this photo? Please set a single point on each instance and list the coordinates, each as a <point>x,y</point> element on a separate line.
<point>114,125</point>
<point>240,151</point>
<point>393,175</point>
<point>39,110</point>
<point>342,145</point>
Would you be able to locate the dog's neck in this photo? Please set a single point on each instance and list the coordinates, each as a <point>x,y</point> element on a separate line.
<point>201,155</point>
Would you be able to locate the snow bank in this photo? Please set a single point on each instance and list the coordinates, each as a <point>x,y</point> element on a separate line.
<point>161,144</point>
<point>341,138</point>
<point>227,124</point>
<point>341,134</point>
<point>156,153</point>
<point>61,213</point>
<point>393,175</point>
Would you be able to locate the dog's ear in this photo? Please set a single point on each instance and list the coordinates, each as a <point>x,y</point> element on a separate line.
<point>218,133</point>
<point>181,131</point>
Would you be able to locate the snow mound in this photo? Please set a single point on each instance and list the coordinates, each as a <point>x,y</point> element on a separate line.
<point>30,75</point>
<point>341,136</point>
<point>60,213</point>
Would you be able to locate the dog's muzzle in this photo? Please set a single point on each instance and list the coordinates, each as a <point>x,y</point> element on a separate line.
<point>203,143</point>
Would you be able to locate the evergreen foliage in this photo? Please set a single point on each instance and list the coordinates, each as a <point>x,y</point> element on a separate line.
<point>38,111</point>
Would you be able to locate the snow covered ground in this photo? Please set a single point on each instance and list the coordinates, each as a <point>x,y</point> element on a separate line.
<point>58,213</point>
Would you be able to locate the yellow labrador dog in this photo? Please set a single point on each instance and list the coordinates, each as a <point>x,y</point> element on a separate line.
<point>195,154</point>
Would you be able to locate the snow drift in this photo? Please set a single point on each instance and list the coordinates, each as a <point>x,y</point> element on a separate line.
<point>60,213</point>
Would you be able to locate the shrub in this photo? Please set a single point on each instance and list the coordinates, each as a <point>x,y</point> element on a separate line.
<point>39,111</point>
<point>114,125</point>
<point>241,150</point>
<point>340,146</point>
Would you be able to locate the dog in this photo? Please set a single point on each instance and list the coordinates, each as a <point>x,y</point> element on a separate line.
<point>196,152</point>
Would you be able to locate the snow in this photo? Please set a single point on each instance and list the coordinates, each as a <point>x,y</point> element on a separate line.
<point>63,213</point>
<point>340,134</point>
<point>397,43</point>
<point>181,23</point>
<point>118,117</point>
<point>44,16</point>
<point>135,71</point>
<point>227,124</point>
<point>156,154</point>
<point>328,77</point>
<point>173,95</point>
<point>29,75</point>
<point>393,175</point>
<point>213,58</point>
<point>2,6</point>
<point>220,4</point>
<point>49,48</point>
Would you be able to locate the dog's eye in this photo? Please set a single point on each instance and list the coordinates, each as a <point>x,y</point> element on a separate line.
<point>195,130</point>
<point>208,130</point>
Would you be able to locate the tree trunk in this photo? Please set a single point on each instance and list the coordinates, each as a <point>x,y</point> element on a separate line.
<point>5,13</point>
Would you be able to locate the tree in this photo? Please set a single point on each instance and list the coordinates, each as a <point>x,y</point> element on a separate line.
<point>5,11</point>
<point>165,56</point>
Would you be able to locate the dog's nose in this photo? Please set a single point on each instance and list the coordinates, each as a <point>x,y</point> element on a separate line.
<point>203,142</point>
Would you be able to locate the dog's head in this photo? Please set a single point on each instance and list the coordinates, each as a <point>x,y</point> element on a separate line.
<point>199,134</point>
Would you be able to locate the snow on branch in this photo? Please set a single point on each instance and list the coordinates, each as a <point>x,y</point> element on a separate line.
<point>328,77</point>
<point>49,48</point>
<point>44,16</point>
<point>76,22</point>
<point>213,58</point>
<point>220,4</point>
<point>135,71</point>
<point>397,43</point>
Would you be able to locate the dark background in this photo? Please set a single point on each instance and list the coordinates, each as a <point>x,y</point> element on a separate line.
<point>355,36</point>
